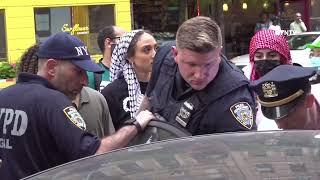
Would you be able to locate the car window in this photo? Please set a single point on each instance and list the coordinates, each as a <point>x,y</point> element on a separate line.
<point>299,42</point>
<point>241,156</point>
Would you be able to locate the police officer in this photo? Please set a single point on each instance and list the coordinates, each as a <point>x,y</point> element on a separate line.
<point>192,86</point>
<point>285,96</point>
<point>40,128</point>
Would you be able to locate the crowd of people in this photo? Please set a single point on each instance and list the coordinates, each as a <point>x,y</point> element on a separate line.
<point>65,107</point>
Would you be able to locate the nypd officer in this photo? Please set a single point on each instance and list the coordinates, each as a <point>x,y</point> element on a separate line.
<point>40,128</point>
<point>192,86</point>
<point>285,96</point>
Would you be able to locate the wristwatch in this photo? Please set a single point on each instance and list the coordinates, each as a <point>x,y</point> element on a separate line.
<point>133,122</point>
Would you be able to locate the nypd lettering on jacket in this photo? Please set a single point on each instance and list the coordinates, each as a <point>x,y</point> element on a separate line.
<point>14,123</point>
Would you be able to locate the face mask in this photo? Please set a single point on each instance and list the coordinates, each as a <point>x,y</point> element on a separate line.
<point>315,61</point>
<point>264,66</point>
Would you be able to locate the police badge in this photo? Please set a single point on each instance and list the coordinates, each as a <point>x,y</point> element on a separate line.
<point>185,113</point>
<point>269,90</point>
<point>74,116</point>
<point>242,112</point>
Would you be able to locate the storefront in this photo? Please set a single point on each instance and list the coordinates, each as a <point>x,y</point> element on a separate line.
<point>237,18</point>
<point>28,22</point>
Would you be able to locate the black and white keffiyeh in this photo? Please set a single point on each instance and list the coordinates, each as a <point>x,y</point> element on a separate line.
<point>120,65</point>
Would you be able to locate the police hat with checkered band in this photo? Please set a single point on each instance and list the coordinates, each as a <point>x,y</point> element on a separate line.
<point>280,89</point>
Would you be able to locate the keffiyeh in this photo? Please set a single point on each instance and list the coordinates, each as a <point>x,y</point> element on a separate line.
<point>269,39</point>
<point>120,65</point>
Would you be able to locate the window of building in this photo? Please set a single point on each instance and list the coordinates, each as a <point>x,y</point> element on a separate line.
<point>315,15</point>
<point>81,21</point>
<point>3,41</point>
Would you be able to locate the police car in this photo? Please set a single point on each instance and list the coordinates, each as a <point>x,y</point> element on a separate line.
<point>247,155</point>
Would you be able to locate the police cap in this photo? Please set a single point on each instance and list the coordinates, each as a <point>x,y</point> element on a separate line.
<point>63,46</point>
<point>279,90</point>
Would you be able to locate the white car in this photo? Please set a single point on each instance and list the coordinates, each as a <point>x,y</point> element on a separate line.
<point>298,49</point>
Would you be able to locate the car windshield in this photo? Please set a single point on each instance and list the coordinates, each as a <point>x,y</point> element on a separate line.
<point>241,156</point>
<point>299,42</point>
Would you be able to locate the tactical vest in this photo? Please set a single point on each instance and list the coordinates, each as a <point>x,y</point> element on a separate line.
<point>188,113</point>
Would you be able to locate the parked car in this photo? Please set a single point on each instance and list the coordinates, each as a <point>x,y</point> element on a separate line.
<point>241,156</point>
<point>298,49</point>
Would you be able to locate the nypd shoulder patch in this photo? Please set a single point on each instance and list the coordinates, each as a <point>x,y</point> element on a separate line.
<point>74,116</point>
<point>242,112</point>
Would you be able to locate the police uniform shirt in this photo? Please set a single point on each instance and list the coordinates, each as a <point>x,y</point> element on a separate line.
<point>226,104</point>
<point>40,128</point>
<point>117,96</point>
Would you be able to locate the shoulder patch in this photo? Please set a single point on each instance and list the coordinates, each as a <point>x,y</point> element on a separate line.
<point>74,116</point>
<point>242,112</point>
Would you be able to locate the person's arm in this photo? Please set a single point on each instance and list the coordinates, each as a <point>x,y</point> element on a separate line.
<point>123,136</point>
<point>303,26</point>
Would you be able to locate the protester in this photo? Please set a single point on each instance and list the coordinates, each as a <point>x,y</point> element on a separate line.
<point>40,127</point>
<point>91,105</point>
<point>108,38</point>
<point>130,72</point>
<point>298,26</point>
<point>193,87</point>
<point>284,95</point>
<point>267,51</point>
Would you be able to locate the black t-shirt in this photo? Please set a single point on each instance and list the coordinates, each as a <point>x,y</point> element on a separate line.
<point>116,94</point>
<point>41,128</point>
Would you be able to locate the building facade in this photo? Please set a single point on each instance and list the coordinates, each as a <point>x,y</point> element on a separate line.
<point>237,18</point>
<point>24,23</point>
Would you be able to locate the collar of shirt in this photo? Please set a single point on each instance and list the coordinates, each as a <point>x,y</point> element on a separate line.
<point>182,89</point>
<point>84,97</point>
<point>102,65</point>
<point>33,78</point>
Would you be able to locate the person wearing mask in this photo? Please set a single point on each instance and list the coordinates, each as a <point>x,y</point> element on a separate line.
<point>267,51</point>
<point>195,88</point>
<point>91,105</point>
<point>40,126</point>
<point>131,67</point>
<point>315,54</point>
<point>108,38</point>
<point>298,26</point>
<point>285,97</point>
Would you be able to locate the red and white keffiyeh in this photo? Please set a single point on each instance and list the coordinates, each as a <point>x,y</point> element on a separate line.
<point>269,39</point>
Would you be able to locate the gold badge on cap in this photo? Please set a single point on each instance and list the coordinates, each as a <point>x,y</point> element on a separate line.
<point>269,90</point>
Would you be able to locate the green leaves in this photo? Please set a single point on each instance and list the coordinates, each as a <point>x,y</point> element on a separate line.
<point>7,70</point>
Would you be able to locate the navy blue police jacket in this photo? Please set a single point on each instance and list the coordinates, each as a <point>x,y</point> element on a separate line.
<point>225,105</point>
<point>40,128</point>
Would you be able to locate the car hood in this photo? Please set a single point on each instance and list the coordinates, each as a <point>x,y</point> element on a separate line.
<point>242,156</point>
